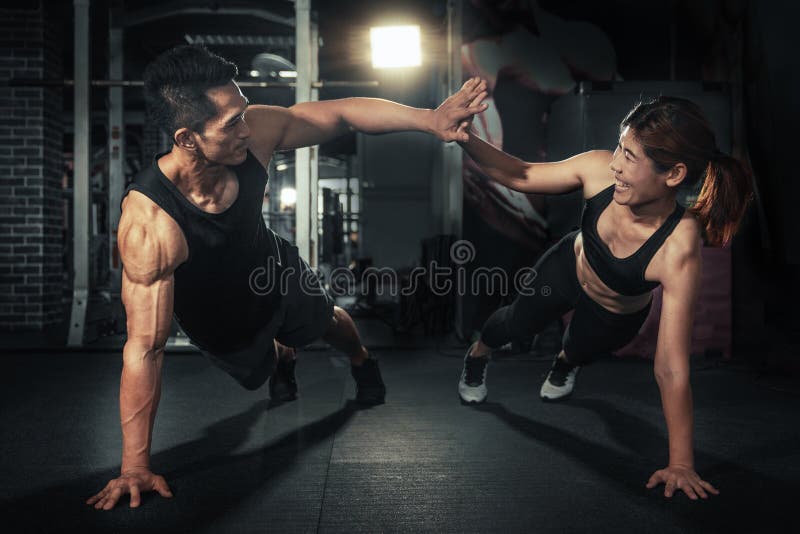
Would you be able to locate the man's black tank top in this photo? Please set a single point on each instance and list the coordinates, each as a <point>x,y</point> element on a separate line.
<point>214,302</point>
<point>623,275</point>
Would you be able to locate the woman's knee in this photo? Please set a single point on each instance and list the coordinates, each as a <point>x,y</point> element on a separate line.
<point>495,332</point>
<point>512,323</point>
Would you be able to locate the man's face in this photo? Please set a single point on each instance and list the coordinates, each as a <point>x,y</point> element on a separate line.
<point>224,140</point>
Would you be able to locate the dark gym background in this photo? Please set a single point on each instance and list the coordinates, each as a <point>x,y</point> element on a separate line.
<point>422,462</point>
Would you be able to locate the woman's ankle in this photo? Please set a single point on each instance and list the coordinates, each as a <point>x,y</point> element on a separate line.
<point>479,350</point>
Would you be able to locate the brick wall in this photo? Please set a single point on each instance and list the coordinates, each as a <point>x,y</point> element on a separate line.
<point>154,141</point>
<point>31,206</point>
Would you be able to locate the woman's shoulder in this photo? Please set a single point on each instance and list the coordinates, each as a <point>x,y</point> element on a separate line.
<point>683,247</point>
<point>688,231</point>
<point>680,250</point>
<point>596,173</point>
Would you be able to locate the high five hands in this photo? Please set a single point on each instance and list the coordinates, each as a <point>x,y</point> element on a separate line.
<point>453,117</point>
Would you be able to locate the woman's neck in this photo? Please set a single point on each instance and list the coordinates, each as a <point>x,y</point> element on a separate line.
<point>652,213</point>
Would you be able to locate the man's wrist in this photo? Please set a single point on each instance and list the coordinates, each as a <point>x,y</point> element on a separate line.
<point>429,121</point>
<point>134,465</point>
<point>134,469</point>
<point>685,464</point>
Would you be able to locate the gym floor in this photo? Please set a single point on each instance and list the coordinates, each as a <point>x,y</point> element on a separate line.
<point>421,462</point>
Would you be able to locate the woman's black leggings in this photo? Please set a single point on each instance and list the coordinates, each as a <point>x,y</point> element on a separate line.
<point>551,293</point>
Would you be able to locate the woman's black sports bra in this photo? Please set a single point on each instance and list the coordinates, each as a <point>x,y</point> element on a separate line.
<point>623,275</point>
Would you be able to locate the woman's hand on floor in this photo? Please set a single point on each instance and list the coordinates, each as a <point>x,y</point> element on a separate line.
<point>681,478</point>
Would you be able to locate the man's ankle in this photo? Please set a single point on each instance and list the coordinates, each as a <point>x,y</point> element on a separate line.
<point>360,358</point>
<point>286,354</point>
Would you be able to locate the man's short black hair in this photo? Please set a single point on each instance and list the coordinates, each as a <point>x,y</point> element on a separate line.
<point>175,85</point>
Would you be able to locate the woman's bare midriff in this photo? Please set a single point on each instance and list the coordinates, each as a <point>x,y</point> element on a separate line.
<point>601,293</point>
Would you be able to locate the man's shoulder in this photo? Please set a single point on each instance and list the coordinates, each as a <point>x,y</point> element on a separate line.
<point>139,209</point>
<point>267,127</point>
<point>150,241</point>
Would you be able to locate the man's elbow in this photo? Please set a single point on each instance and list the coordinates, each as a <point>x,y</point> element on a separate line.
<point>140,351</point>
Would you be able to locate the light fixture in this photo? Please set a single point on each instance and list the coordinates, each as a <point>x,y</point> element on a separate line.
<point>287,73</point>
<point>271,66</point>
<point>288,196</point>
<point>254,73</point>
<point>281,167</point>
<point>395,46</point>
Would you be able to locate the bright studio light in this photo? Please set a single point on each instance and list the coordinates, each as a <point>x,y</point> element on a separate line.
<point>281,167</point>
<point>287,73</point>
<point>288,196</point>
<point>395,46</point>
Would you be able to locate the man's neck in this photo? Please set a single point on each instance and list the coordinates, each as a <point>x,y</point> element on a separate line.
<point>192,173</point>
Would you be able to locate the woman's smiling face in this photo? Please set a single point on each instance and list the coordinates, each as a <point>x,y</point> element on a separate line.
<point>637,179</point>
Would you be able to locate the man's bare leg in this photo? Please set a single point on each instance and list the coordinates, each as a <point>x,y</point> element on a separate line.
<point>285,353</point>
<point>343,336</point>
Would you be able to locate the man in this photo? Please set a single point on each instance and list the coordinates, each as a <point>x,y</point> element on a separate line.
<point>193,243</point>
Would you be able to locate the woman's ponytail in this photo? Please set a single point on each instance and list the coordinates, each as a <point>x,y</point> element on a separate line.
<point>723,199</point>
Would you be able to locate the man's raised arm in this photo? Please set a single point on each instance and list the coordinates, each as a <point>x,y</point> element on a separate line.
<point>312,123</point>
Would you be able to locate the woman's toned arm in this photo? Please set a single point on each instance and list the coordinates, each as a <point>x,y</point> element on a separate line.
<point>680,279</point>
<point>543,178</point>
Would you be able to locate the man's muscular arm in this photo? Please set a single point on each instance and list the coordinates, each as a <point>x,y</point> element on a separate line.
<point>150,251</point>
<point>311,123</point>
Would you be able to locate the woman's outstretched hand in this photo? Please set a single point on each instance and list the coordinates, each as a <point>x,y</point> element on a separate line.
<point>681,478</point>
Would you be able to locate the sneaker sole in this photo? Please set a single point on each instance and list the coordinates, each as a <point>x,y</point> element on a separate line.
<point>466,402</point>
<point>555,399</point>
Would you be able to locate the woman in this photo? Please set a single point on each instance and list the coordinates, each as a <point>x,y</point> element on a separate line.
<point>634,236</point>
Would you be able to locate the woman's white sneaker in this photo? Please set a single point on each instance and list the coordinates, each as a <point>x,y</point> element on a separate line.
<point>472,385</point>
<point>560,380</point>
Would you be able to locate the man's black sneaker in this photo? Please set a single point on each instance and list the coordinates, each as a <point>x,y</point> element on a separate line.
<point>282,383</point>
<point>370,389</point>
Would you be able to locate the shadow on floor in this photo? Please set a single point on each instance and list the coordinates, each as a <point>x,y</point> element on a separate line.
<point>749,501</point>
<point>207,482</point>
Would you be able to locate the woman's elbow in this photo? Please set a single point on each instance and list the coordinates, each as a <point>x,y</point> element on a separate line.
<point>671,376</point>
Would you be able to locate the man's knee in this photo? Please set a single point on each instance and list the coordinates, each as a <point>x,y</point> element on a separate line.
<point>339,315</point>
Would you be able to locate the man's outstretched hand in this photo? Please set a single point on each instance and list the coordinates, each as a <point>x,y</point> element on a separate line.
<point>135,482</point>
<point>684,479</point>
<point>454,116</point>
